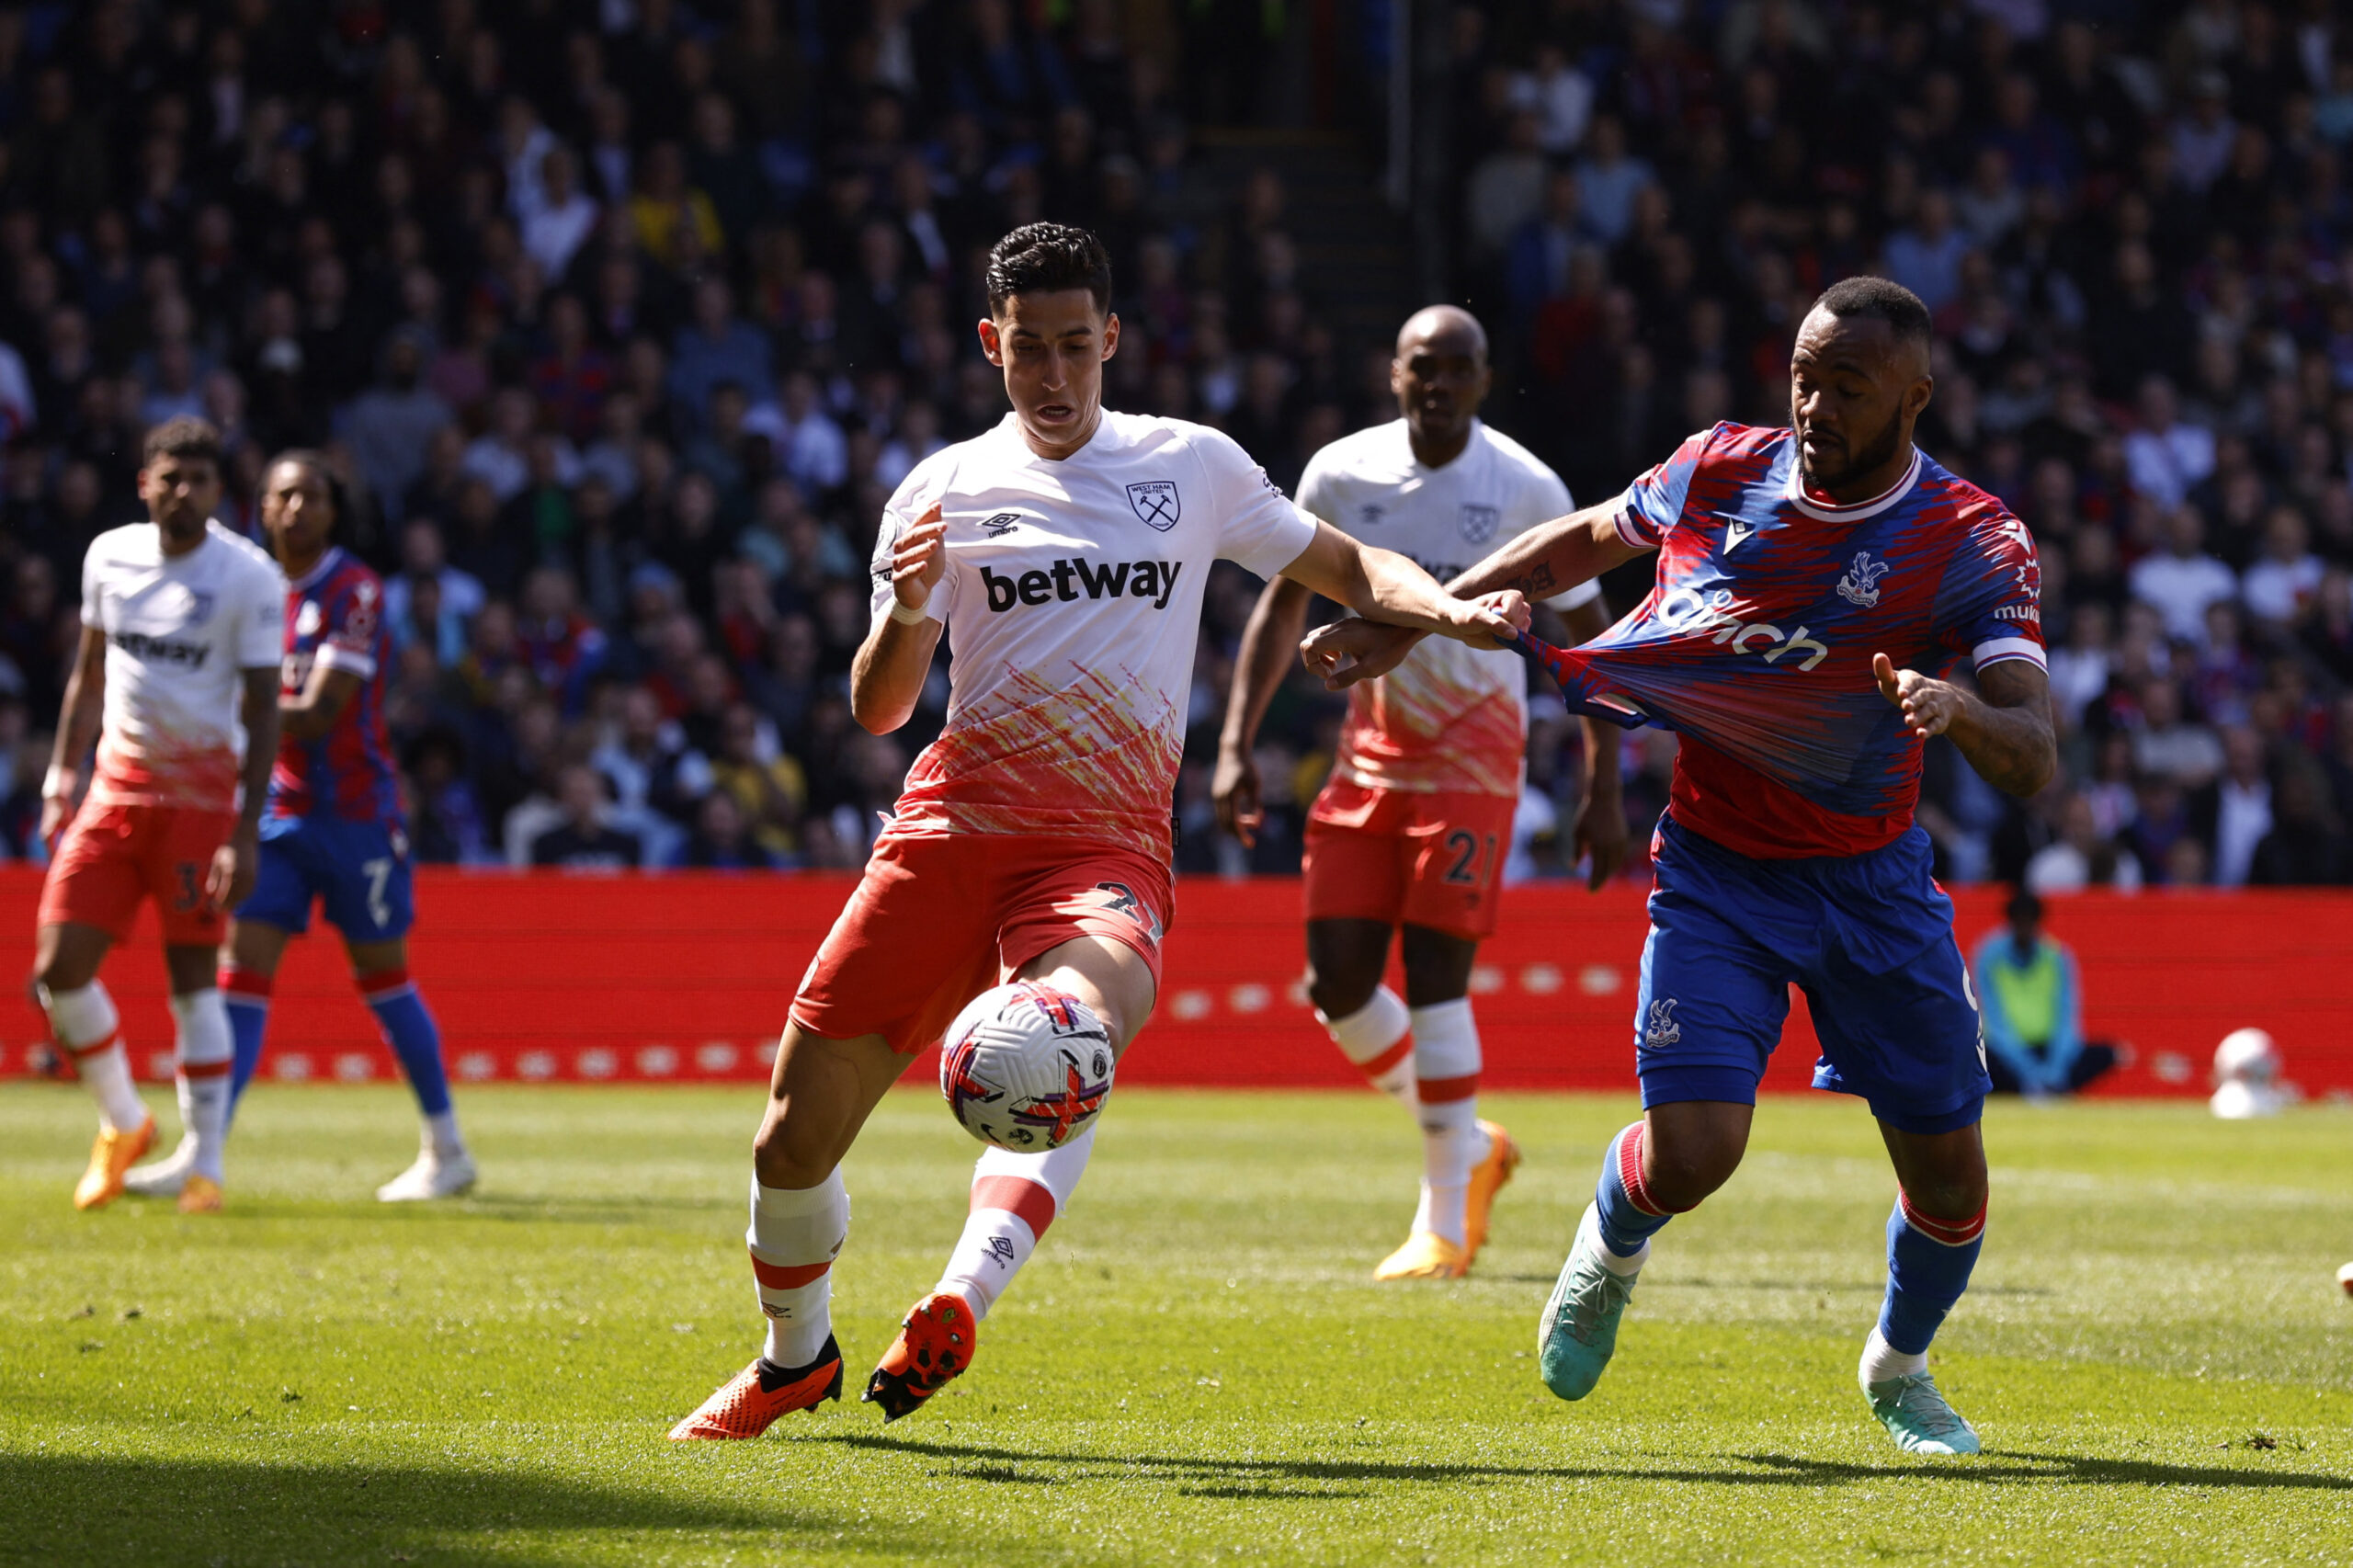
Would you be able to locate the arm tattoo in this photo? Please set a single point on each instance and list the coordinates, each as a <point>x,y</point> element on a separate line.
<point>2008,738</point>
<point>1536,582</point>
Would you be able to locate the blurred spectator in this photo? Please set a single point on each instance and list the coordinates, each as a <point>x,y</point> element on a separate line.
<point>2030,1002</point>
<point>583,840</point>
<point>2181,580</point>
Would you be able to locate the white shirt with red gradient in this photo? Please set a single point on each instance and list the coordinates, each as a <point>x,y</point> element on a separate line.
<point>1451,717</point>
<point>181,631</point>
<point>1072,602</point>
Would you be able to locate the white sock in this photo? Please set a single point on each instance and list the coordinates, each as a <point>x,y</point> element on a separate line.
<point>441,1135</point>
<point>1883,1361</point>
<point>796,1233</point>
<point>1446,1066</point>
<point>1015,1197</point>
<point>89,1030</point>
<point>1589,1237</point>
<point>205,1050</point>
<point>1377,1037</point>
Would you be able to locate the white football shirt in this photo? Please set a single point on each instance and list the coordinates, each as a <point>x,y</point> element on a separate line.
<point>1072,601</point>
<point>181,631</point>
<point>1451,717</point>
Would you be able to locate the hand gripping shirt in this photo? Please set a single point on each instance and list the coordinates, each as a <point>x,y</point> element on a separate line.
<point>1755,644</point>
<point>1072,601</point>
<point>1451,717</point>
<point>181,631</point>
<point>335,616</point>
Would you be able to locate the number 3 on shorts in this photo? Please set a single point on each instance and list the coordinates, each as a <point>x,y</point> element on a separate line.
<point>378,873</point>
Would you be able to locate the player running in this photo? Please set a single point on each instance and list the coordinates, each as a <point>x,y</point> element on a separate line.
<point>1811,583</point>
<point>1410,832</point>
<point>334,830</point>
<point>1065,554</point>
<point>179,646</point>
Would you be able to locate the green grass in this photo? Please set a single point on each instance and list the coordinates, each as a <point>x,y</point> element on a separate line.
<point>1196,1369</point>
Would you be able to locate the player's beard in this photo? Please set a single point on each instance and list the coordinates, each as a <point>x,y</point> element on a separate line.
<point>1877,453</point>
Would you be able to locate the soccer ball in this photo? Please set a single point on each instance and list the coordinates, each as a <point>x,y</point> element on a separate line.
<point>1026,1067</point>
<point>2246,1076</point>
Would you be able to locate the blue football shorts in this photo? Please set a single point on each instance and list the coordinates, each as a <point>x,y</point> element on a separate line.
<point>1867,938</point>
<point>358,870</point>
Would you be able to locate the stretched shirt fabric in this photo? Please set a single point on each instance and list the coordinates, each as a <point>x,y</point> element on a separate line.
<point>1451,717</point>
<point>1072,602</point>
<point>335,616</point>
<point>181,631</point>
<point>1755,643</point>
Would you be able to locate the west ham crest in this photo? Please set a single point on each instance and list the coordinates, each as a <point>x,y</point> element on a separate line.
<point>1479,523</point>
<point>1155,503</point>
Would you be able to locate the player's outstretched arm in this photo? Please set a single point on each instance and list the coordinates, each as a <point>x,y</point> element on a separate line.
<point>2004,729</point>
<point>1383,585</point>
<point>78,717</point>
<point>887,676</point>
<point>1545,561</point>
<point>1267,643</point>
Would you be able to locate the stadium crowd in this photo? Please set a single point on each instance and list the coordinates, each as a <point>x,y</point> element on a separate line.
<point>620,321</point>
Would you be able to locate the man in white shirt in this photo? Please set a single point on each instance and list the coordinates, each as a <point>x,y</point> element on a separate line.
<point>2164,458</point>
<point>2179,582</point>
<point>1409,833</point>
<point>1065,551</point>
<point>177,670</point>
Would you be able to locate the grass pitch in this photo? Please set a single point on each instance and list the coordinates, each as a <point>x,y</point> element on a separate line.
<point>1197,1367</point>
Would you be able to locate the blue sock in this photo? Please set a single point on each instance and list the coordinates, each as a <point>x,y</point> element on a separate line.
<point>1630,1215</point>
<point>246,997</point>
<point>1928,1262</point>
<point>413,1036</point>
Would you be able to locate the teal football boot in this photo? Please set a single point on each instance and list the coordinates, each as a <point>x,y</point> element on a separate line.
<point>1579,1333</point>
<point>1916,1415</point>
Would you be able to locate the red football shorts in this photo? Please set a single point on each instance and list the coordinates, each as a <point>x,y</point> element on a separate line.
<point>1407,858</point>
<point>111,856</point>
<point>937,919</point>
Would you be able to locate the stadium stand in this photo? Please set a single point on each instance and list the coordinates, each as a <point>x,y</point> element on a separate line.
<point>622,320</point>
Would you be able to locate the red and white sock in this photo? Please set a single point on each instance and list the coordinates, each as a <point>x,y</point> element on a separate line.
<point>796,1233</point>
<point>89,1030</point>
<point>204,1050</point>
<point>1446,1065</point>
<point>1015,1197</point>
<point>1377,1037</point>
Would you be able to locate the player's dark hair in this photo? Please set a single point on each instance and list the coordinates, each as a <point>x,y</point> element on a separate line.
<point>2023,905</point>
<point>316,461</point>
<point>182,436</point>
<point>1045,259</point>
<point>1879,299</point>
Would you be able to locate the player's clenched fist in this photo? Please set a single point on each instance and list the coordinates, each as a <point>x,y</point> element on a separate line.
<point>1930,706</point>
<point>1492,619</point>
<point>920,559</point>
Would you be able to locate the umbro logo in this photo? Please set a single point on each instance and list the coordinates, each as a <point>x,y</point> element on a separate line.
<point>1001,525</point>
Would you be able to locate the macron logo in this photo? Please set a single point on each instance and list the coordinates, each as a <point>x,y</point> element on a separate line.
<point>1073,577</point>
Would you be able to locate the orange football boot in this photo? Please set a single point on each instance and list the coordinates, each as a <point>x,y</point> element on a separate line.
<point>1487,1179</point>
<point>200,1195</point>
<point>114,1153</point>
<point>749,1401</point>
<point>934,1343</point>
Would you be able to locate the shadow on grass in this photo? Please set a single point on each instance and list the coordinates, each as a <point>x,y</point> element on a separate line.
<point>104,1510</point>
<point>1208,1476</point>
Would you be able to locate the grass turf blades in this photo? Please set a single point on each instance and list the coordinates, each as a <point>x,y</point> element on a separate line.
<point>1198,1368</point>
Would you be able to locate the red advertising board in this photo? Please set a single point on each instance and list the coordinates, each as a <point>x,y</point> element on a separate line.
<point>686,978</point>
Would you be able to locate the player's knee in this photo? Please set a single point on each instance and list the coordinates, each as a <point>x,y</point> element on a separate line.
<point>1947,1194</point>
<point>1682,1172</point>
<point>1340,996</point>
<point>790,1152</point>
<point>59,971</point>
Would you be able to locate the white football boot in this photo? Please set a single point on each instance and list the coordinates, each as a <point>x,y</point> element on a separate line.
<point>164,1177</point>
<point>433,1175</point>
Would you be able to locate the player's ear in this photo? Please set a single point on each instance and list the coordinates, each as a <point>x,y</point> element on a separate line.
<point>1110,335</point>
<point>992,346</point>
<point>1916,396</point>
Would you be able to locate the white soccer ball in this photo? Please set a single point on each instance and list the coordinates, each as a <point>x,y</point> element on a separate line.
<point>1026,1067</point>
<point>2246,1056</point>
